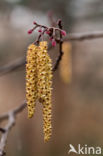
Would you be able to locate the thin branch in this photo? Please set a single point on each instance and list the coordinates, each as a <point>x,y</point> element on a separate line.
<point>17,64</point>
<point>58,58</point>
<point>12,66</point>
<point>15,111</point>
<point>11,116</point>
<point>4,136</point>
<point>84,36</point>
<point>60,49</point>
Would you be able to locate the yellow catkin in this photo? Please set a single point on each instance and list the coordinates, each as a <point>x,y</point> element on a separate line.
<point>31,79</point>
<point>39,83</point>
<point>66,63</point>
<point>44,90</point>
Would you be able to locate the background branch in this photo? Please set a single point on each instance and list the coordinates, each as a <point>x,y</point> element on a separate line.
<point>11,116</point>
<point>12,66</point>
<point>84,36</point>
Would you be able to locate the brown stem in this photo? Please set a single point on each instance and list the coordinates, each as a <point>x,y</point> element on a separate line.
<point>60,48</point>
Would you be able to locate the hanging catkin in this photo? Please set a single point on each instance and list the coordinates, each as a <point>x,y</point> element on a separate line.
<point>31,79</point>
<point>66,63</point>
<point>45,96</point>
<point>38,83</point>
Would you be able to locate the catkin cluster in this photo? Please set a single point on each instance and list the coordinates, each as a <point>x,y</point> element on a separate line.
<point>66,63</point>
<point>38,83</point>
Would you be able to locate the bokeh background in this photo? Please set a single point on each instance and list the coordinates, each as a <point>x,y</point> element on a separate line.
<point>78,106</point>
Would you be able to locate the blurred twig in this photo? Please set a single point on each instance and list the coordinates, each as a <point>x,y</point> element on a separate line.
<point>84,36</point>
<point>12,66</point>
<point>11,116</point>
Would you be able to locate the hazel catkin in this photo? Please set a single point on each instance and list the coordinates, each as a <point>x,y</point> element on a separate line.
<point>31,79</point>
<point>46,71</point>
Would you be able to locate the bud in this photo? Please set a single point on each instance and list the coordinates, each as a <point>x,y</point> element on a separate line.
<point>48,32</point>
<point>63,32</point>
<point>30,31</point>
<point>40,30</point>
<point>53,42</point>
<point>34,23</point>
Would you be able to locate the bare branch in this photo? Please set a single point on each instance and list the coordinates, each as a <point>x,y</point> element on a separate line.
<point>4,136</point>
<point>12,66</point>
<point>11,115</point>
<point>84,36</point>
<point>15,111</point>
<point>60,49</point>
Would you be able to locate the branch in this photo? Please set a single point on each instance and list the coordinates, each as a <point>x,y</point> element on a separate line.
<point>12,66</point>
<point>11,116</point>
<point>59,58</point>
<point>60,48</point>
<point>84,36</point>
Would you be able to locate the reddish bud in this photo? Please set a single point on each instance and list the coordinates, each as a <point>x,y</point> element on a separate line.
<point>34,22</point>
<point>53,42</point>
<point>48,32</point>
<point>63,32</point>
<point>40,30</point>
<point>30,31</point>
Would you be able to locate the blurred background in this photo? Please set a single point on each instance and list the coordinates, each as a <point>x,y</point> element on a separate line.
<point>78,106</point>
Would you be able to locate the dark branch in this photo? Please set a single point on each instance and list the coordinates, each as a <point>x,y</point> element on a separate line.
<point>60,48</point>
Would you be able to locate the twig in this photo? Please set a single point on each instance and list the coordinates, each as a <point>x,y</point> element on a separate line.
<point>84,36</point>
<point>60,48</point>
<point>15,111</point>
<point>11,115</point>
<point>7,128</point>
<point>12,66</point>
